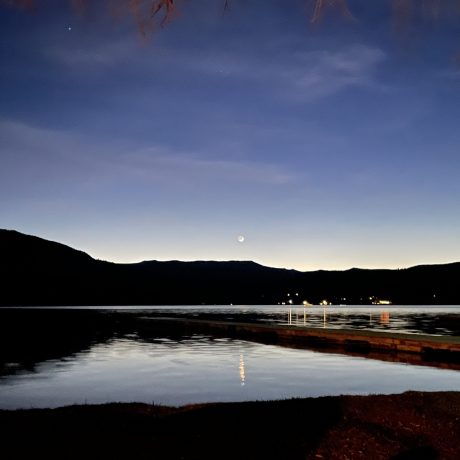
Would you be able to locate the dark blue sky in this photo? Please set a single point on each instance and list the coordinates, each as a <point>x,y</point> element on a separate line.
<point>327,147</point>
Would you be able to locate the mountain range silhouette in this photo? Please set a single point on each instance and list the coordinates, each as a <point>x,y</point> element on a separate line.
<point>38,272</point>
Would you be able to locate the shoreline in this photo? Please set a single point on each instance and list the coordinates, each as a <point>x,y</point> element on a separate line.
<point>399,426</point>
<point>419,349</point>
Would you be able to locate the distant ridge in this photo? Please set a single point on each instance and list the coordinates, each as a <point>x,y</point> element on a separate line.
<point>35,271</point>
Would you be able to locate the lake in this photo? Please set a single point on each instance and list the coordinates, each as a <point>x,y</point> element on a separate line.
<point>55,357</point>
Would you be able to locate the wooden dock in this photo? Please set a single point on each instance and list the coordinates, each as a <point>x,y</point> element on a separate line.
<point>438,351</point>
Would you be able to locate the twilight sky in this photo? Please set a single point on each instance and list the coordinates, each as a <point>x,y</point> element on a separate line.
<point>331,146</point>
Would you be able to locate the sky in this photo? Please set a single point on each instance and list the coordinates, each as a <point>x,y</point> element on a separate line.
<point>326,146</point>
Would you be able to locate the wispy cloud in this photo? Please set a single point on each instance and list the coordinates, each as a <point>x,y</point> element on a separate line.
<point>304,75</point>
<point>161,164</point>
<point>84,57</point>
<point>321,73</point>
<point>66,154</point>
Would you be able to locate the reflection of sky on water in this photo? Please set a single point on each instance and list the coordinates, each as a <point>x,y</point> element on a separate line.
<point>201,369</point>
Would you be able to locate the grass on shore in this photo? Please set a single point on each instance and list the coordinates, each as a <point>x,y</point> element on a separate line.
<point>412,425</point>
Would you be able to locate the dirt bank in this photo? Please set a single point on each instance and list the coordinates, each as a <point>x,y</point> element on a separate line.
<point>412,425</point>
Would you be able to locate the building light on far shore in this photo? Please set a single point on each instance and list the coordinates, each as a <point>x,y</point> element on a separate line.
<point>382,302</point>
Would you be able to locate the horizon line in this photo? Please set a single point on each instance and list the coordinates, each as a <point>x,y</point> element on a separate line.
<point>229,260</point>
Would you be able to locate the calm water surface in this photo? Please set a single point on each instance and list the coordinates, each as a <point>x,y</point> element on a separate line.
<point>200,369</point>
<point>50,358</point>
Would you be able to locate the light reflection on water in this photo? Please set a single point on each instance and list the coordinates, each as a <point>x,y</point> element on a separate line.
<point>414,319</point>
<point>436,320</point>
<point>201,369</point>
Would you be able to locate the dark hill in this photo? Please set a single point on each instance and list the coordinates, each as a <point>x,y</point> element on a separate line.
<point>24,252</point>
<point>34,271</point>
